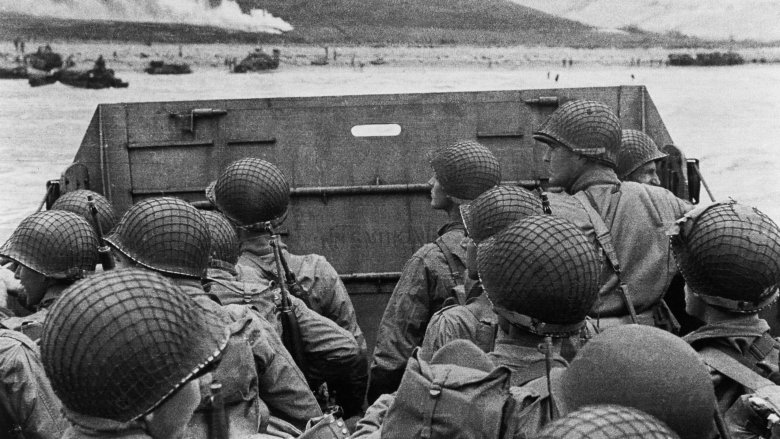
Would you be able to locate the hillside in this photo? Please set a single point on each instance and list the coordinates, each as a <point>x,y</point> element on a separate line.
<point>362,22</point>
<point>714,19</point>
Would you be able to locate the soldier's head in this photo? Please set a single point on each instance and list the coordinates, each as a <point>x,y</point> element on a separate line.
<point>128,344</point>
<point>251,192</point>
<point>637,158</point>
<point>606,422</point>
<point>462,171</point>
<point>51,247</point>
<point>645,368</point>
<point>729,256</point>
<point>542,275</point>
<point>78,203</point>
<point>167,235</point>
<point>224,241</point>
<point>579,133</point>
<point>491,212</point>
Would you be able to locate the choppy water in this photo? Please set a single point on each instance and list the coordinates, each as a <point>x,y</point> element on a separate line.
<point>727,117</point>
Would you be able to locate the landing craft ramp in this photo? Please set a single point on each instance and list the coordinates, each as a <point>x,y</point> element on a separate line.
<point>357,164</point>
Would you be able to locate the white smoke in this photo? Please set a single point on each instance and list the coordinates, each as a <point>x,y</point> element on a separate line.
<point>226,15</point>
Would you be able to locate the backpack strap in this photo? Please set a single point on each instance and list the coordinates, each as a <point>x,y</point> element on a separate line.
<point>604,237</point>
<point>733,368</point>
<point>456,269</point>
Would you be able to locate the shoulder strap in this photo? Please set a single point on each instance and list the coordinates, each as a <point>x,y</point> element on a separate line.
<point>734,369</point>
<point>602,231</point>
<point>455,267</point>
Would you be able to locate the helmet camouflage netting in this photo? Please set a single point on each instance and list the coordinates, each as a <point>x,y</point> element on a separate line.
<point>542,267</point>
<point>224,240</point>
<point>465,169</point>
<point>729,251</point>
<point>164,234</point>
<point>76,202</point>
<point>588,128</point>
<point>496,208</point>
<point>55,243</point>
<point>116,344</point>
<point>606,422</point>
<point>636,149</point>
<point>251,191</point>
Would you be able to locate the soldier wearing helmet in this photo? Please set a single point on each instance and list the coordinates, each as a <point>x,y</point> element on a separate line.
<point>462,171</point>
<point>627,220</point>
<point>78,202</point>
<point>637,158</point>
<point>331,353</point>
<point>729,256</point>
<point>487,215</point>
<point>253,193</point>
<point>126,352</point>
<point>53,249</point>
<point>634,366</point>
<point>542,276</point>
<point>169,236</point>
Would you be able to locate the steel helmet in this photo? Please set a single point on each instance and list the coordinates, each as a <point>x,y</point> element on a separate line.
<point>606,422</point>
<point>76,202</point>
<point>645,368</point>
<point>541,273</point>
<point>118,343</point>
<point>588,128</point>
<point>497,208</point>
<point>224,240</point>
<point>465,169</point>
<point>636,149</point>
<point>251,191</point>
<point>164,234</point>
<point>54,243</point>
<point>729,255</point>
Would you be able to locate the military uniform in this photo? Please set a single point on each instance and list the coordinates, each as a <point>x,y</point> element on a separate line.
<point>327,294</point>
<point>331,352</point>
<point>427,280</point>
<point>32,325</point>
<point>475,321</point>
<point>637,216</point>
<point>28,405</point>
<point>521,354</point>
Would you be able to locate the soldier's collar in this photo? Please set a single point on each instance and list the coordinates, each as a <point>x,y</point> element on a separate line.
<point>537,326</point>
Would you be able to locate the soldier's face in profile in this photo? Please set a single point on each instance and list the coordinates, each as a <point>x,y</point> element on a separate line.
<point>564,165</point>
<point>33,283</point>
<point>645,174</point>
<point>439,198</point>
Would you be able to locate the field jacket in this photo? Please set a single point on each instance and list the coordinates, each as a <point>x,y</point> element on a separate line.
<point>427,280</point>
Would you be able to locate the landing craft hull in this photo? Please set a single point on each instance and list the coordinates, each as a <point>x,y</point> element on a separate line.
<point>360,200</point>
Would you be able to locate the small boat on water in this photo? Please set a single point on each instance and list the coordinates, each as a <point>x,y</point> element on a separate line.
<point>163,68</point>
<point>93,78</point>
<point>13,72</point>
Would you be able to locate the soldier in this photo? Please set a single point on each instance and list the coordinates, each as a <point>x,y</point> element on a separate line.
<point>628,220</point>
<point>462,171</point>
<point>126,351</point>
<point>170,237</point>
<point>53,249</point>
<point>607,422</point>
<point>252,193</point>
<point>634,366</point>
<point>78,202</point>
<point>331,353</point>
<point>729,256</point>
<point>28,406</point>
<point>542,275</point>
<point>637,158</point>
<point>488,214</point>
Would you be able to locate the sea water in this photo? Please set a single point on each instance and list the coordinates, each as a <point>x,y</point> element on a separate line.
<point>728,117</point>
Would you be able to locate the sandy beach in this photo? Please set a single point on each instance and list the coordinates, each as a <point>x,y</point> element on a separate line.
<point>123,56</point>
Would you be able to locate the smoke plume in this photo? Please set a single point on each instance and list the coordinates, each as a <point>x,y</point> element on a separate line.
<point>201,12</point>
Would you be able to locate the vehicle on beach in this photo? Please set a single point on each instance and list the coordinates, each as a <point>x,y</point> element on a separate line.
<point>257,61</point>
<point>93,78</point>
<point>357,165</point>
<point>164,68</point>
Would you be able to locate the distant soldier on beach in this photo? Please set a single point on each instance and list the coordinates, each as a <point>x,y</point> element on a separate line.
<point>628,220</point>
<point>462,171</point>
